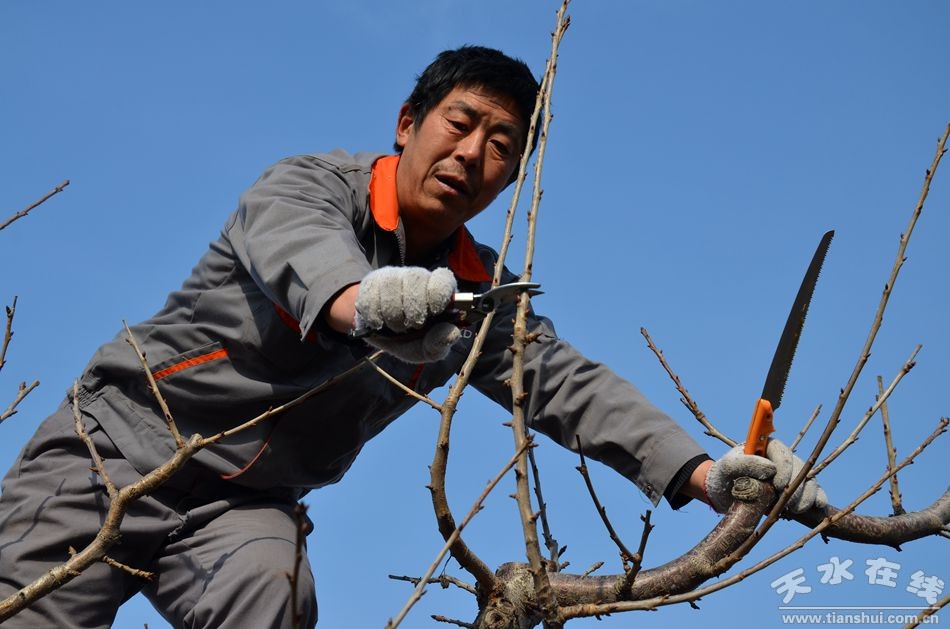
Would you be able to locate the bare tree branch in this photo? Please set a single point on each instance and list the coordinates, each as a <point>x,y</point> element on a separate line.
<point>26,211</point>
<point>805,428</point>
<point>8,334</point>
<point>550,543</point>
<point>153,386</point>
<point>108,534</point>
<point>437,470</point>
<point>410,392</point>
<point>597,566</point>
<point>638,557</point>
<point>547,601</point>
<point>453,621</point>
<point>674,582</point>
<point>145,575</point>
<point>443,579</point>
<point>687,400</point>
<point>882,399</point>
<point>625,555</point>
<point>891,451</point>
<point>930,611</point>
<point>80,429</point>
<point>22,391</point>
<point>845,393</point>
<point>424,579</point>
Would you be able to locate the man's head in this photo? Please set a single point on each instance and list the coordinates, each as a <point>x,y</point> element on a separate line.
<point>474,66</point>
<point>461,135</point>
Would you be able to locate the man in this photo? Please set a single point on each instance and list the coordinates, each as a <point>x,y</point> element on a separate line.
<point>322,246</point>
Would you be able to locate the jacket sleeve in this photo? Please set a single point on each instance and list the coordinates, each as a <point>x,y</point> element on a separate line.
<point>571,396</point>
<point>294,233</point>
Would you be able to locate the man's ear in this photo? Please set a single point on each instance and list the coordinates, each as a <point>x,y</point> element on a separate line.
<point>404,125</point>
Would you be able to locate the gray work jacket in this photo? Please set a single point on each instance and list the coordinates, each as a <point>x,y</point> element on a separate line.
<point>244,334</point>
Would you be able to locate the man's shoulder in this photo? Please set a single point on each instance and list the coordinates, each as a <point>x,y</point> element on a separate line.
<point>337,159</point>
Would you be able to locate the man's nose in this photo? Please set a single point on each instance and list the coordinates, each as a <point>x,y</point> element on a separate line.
<point>470,149</point>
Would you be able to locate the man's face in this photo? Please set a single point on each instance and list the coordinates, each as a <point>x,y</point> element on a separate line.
<point>456,162</point>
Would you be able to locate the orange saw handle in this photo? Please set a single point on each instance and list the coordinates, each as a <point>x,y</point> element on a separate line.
<point>760,428</point>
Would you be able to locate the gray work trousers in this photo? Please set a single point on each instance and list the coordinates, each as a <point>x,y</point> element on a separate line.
<point>220,552</point>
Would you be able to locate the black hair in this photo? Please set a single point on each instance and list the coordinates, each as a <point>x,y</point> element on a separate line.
<point>478,67</point>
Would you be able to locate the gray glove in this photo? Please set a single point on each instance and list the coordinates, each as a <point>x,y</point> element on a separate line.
<point>780,467</point>
<point>402,299</point>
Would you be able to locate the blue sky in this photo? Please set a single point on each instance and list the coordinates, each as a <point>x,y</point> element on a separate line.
<point>698,152</point>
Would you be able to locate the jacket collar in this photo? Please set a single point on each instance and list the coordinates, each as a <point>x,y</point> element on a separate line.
<point>463,257</point>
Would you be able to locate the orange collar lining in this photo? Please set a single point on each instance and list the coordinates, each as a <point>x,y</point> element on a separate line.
<point>382,193</point>
<point>464,260</point>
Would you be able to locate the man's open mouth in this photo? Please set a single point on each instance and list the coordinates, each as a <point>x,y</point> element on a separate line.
<point>456,183</point>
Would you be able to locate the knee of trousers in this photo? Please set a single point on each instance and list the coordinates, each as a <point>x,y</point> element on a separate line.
<point>260,597</point>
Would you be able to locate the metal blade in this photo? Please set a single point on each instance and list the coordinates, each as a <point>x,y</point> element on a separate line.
<point>788,342</point>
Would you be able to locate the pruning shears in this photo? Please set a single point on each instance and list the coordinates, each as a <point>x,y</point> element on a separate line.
<point>468,308</point>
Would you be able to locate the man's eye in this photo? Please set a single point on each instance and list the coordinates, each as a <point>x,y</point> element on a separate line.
<point>501,148</point>
<point>458,125</point>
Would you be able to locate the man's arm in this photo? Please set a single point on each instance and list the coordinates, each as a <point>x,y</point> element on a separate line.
<point>341,311</point>
<point>695,487</point>
<point>294,232</point>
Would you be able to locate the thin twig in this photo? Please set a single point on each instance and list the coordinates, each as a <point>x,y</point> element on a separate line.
<point>597,566</point>
<point>625,555</point>
<point>22,391</point>
<point>407,390</point>
<point>424,579</point>
<point>930,611</point>
<point>484,576</point>
<point>549,542</point>
<point>153,386</point>
<point>805,428</point>
<point>687,400</point>
<point>637,559</point>
<point>845,392</point>
<point>444,580</point>
<point>891,451</point>
<point>97,462</point>
<point>326,384</point>
<point>544,594</point>
<point>881,399</point>
<point>23,213</point>
<point>8,335</point>
<point>145,575</point>
<point>453,621</point>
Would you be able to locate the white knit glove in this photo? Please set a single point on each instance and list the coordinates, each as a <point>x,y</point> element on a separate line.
<point>402,299</point>
<point>780,467</point>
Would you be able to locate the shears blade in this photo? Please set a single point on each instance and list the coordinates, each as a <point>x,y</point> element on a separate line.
<point>468,304</point>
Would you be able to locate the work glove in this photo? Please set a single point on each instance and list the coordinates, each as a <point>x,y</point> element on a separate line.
<point>403,300</point>
<point>780,466</point>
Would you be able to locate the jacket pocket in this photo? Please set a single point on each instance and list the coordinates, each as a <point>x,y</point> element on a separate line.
<point>187,360</point>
